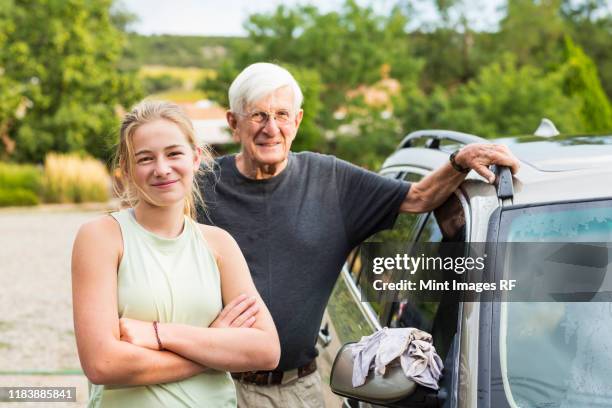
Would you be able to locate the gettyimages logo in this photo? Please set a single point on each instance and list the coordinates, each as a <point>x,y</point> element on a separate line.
<point>412,264</point>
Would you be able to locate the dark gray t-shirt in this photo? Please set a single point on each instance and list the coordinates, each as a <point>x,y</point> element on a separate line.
<point>295,230</point>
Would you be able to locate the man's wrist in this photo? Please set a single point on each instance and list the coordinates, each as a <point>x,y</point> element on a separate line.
<point>459,168</point>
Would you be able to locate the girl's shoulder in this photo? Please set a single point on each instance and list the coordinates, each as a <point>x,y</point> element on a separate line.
<point>105,225</point>
<point>218,239</point>
<point>104,231</point>
<point>212,233</point>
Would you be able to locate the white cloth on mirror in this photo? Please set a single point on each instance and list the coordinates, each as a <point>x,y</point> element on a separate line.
<point>409,347</point>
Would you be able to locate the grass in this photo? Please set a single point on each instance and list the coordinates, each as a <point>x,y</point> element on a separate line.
<point>17,197</point>
<point>71,178</point>
<point>20,184</point>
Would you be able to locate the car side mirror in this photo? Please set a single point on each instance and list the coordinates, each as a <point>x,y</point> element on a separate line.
<point>382,390</point>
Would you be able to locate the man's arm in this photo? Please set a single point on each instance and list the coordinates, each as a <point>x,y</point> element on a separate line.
<point>434,189</point>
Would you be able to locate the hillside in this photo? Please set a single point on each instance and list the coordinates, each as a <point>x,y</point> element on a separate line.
<point>177,51</point>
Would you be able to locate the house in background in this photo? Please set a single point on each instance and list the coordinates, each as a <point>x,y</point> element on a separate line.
<point>209,122</point>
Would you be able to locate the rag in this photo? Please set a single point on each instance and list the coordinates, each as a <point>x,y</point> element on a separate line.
<point>411,348</point>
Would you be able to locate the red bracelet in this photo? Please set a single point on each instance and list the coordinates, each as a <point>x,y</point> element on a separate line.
<point>159,343</point>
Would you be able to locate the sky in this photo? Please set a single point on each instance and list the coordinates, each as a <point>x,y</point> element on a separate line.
<point>225,17</point>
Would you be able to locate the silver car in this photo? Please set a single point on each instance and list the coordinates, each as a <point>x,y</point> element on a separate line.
<point>496,354</point>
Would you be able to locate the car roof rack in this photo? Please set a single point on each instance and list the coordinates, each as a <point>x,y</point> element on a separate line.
<point>434,137</point>
<point>503,175</point>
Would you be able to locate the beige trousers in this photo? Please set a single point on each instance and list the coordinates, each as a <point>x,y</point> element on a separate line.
<point>304,392</point>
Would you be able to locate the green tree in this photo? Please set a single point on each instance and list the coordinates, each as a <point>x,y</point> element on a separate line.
<point>158,83</point>
<point>581,80</point>
<point>12,99</point>
<point>367,138</point>
<point>419,110</point>
<point>533,30</point>
<point>590,24</point>
<point>505,99</point>
<point>310,136</point>
<point>64,55</point>
<point>451,49</point>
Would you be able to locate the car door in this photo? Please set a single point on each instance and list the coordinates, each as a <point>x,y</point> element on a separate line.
<point>553,352</point>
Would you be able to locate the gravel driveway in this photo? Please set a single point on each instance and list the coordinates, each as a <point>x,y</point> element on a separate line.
<point>37,343</point>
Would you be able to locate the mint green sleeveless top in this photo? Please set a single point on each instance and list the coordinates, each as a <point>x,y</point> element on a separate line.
<point>170,280</point>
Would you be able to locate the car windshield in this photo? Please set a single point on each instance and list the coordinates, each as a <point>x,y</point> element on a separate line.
<point>557,354</point>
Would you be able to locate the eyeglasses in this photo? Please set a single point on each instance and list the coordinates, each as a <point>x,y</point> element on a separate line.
<point>281,117</point>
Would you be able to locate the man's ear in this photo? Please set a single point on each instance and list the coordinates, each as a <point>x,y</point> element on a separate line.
<point>232,122</point>
<point>298,118</point>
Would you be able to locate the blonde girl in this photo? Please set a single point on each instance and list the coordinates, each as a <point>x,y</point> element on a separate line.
<point>149,283</point>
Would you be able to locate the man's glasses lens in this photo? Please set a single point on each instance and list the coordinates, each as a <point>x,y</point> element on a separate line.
<point>263,117</point>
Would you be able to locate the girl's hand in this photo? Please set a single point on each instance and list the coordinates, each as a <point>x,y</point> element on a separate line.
<point>138,333</point>
<point>240,312</point>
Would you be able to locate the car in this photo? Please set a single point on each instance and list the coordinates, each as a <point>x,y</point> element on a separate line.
<point>496,354</point>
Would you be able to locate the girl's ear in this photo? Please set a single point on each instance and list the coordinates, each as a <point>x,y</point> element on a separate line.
<point>197,158</point>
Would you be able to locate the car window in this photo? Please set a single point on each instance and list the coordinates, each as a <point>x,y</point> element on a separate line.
<point>346,316</point>
<point>404,231</point>
<point>439,318</point>
<point>406,225</point>
<point>556,353</point>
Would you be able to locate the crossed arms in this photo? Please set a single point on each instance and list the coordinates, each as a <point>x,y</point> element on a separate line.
<point>125,352</point>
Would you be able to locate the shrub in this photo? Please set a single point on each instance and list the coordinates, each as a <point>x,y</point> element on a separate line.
<point>73,178</point>
<point>20,176</point>
<point>17,197</point>
<point>155,84</point>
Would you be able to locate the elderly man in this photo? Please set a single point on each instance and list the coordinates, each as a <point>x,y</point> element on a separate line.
<point>296,216</point>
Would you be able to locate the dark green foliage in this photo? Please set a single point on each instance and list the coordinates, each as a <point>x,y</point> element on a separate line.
<point>533,31</point>
<point>374,139</point>
<point>581,80</point>
<point>217,88</point>
<point>505,99</point>
<point>63,55</point>
<point>20,176</point>
<point>310,136</point>
<point>154,84</point>
<point>17,197</point>
<point>590,25</point>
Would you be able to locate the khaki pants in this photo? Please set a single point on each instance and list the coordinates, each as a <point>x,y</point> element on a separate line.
<point>304,392</point>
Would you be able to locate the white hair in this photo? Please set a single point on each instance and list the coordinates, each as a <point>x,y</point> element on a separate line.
<point>259,80</point>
